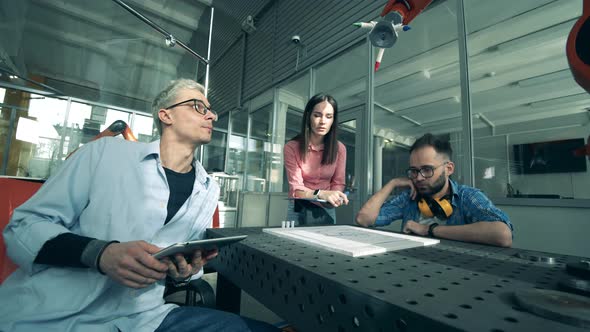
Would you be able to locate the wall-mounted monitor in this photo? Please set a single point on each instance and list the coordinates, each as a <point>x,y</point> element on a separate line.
<point>549,157</point>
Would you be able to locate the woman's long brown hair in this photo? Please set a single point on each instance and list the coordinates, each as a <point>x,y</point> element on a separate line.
<point>330,141</point>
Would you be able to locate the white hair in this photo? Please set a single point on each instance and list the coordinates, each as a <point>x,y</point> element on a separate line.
<point>169,94</point>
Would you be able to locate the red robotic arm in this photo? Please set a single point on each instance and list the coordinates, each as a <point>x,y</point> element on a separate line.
<point>584,150</point>
<point>407,9</point>
<point>578,55</point>
<point>116,128</point>
<point>397,14</point>
<point>578,48</point>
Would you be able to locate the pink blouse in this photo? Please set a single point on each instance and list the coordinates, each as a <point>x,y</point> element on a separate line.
<point>312,175</point>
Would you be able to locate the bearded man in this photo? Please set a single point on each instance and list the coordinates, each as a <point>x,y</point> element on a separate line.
<point>435,205</point>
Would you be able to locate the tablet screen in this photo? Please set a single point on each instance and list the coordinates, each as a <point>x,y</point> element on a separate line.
<point>191,246</point>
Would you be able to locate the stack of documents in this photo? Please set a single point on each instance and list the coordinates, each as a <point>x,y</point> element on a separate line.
<point>351,241</point>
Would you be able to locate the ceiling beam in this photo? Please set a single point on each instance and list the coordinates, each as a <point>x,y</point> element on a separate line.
<point>405,117</point>
<point>164,10</point>
<point>134,59</point>
<point>84,15</point>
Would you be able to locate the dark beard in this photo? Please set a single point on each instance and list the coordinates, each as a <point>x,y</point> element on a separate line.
<point>434,188</point>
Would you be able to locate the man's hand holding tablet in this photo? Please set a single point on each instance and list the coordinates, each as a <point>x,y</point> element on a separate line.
<point>185,259</point>
<point>182,266</point>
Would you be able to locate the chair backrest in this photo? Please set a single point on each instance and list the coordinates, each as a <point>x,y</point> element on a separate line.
<point>14,193</point>
<point>215,223</point>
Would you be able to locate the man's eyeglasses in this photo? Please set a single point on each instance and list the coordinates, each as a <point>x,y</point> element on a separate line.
<point>198,105</point>
<point>426,171</point>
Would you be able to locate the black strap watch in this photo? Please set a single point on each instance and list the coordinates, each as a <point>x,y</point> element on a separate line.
<point>431,229</point>
<point>316,193</point>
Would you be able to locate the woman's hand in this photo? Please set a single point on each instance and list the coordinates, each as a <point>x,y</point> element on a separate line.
<point>334,197</point>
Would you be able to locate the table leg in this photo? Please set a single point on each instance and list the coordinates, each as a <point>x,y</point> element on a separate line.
<point>228,295</point>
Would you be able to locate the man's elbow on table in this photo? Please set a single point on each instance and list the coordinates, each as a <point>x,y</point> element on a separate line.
<point>364,220</point>
<point>503,235</point>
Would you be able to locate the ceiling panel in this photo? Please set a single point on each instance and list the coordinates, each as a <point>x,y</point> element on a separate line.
<point>516,60</point>
<point>98,45</point>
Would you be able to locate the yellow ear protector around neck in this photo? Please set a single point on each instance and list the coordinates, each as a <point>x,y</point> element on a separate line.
<point>435,207</point>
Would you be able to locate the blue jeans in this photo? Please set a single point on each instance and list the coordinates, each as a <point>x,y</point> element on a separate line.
<point>199,319</point>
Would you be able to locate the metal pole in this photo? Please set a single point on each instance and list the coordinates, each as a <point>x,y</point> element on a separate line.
<point>246,149</point>
<point>311,82</point>
<point>378,145</point>
<point>62,139</point>
<point>241,81</point>
<point>8,141</point>
<point>366,186</point>
<point>277,137</point>
<point>63,132</point>
<point>229,134</point>
<point>132,122</point>
<point>202,147</point>
<point>468,178</point>
<point>506,143</point>
<point>171,41</point>
<point>201,153</point>
<point>209,52</point>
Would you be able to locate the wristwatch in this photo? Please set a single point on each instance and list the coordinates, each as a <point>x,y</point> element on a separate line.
<point>431,229</point>
<point>181,282</point>
<point>316,194</point>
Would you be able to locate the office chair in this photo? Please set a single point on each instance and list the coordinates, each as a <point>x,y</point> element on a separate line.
<point>14,193</point>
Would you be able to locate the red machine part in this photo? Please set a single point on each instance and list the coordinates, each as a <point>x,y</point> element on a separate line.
<point>116,128</point>
<point>578,48</point>
<point>408,9</point>
<point>584,150</point>
<point>14,192</point>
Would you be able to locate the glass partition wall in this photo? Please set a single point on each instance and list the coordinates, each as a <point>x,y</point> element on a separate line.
<point>528,112</point>
<point>38,134</point>
<point>417,91</point>
<point>32,134</point>
<point>291,99</point>
<point>525,106</point>
<point>99,63</point>
<point>214,152</point>
<point>526,109</point>
<point>349,88</point>
<point>258,146</point>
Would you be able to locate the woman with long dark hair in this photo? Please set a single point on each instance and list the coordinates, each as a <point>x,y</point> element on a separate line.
<point>315,162</point>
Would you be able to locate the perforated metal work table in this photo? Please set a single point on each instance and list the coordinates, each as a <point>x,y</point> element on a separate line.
<point>452,286</point>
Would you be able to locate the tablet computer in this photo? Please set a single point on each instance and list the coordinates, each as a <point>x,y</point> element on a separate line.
<point>307,199</point>
<point>191,246</point>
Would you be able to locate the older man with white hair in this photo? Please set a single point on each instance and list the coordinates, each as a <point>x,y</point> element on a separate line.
<point>84,242</point>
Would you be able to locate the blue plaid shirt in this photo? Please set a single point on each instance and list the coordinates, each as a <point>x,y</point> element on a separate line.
<point>470,205</point>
